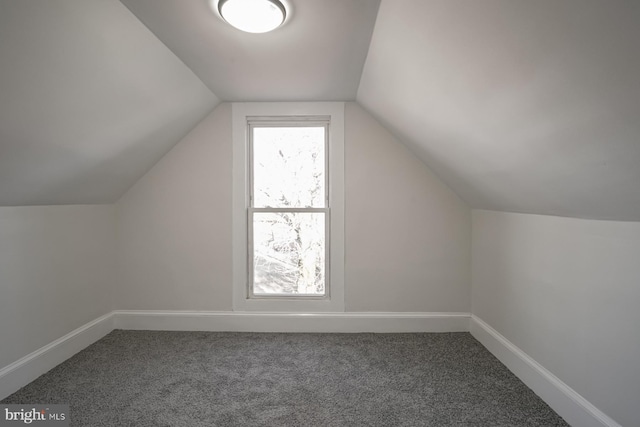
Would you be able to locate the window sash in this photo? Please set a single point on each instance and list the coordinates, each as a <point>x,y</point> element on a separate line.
<point>251,253</point>
<point>301,121</point>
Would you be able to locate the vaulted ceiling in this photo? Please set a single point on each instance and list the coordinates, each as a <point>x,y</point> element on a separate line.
<point>316,56</point>
<point>523,106</point>
<point>90,100</point>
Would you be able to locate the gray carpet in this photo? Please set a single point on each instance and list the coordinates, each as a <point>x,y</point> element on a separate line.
<point>192,379</point>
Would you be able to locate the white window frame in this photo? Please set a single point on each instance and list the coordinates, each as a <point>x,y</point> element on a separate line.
<point>279,122</point>
<point>287,112</point>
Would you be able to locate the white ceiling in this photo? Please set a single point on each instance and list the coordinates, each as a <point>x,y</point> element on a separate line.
<point>316,56</point>
<point>522,106</point>
<point>90,100</point>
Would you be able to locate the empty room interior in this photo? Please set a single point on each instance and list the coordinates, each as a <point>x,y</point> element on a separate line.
<point>320,212</point>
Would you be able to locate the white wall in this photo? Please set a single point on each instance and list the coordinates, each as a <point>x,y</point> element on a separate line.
<point>56,266</point>
<point>408,236</point>
<point>174,225</point>
<point>566,292</point>
<point>174,247</point>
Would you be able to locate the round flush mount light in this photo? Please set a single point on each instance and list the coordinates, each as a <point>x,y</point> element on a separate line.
<point>253,16</point>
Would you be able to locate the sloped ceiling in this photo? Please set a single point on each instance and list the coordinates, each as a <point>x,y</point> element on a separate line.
<point>521,106</point>
<point>90,100</point>
<point>317,55</point>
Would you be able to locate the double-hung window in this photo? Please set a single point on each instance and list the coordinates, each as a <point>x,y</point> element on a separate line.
<point>289,212</point>
<point>288,206</point>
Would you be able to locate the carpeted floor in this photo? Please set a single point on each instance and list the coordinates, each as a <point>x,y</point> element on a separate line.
<point>192,379</point>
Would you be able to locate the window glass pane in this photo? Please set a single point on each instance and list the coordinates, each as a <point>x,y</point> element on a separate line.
<point>288,253</point>
<point>289,167</point>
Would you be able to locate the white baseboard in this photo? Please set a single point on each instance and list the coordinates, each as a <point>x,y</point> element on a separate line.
<point>23,371</point>
<point>570,405</point>
<point>291,322</point>
<point>575,409</point>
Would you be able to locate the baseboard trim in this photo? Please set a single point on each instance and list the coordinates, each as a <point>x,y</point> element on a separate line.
<point>570,405</point>
<point>574,408</point>
<point>28,368</point>
<point>291,322</point>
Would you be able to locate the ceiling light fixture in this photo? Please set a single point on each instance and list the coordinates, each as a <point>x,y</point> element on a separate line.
<point>253,16</point>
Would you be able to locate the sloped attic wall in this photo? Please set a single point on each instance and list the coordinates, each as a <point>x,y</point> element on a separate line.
<point>407,235</point>
<point>91,100</point>
<point>519,106</point>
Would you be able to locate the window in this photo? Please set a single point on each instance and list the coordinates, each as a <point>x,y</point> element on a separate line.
<point>288,206</point>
